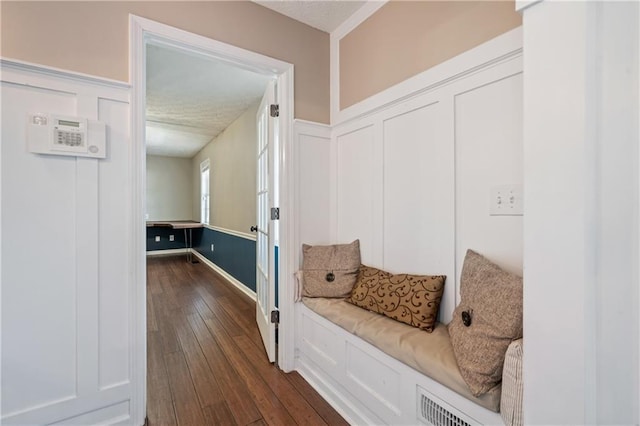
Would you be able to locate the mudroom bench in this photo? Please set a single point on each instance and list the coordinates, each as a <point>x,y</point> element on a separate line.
<point>376,370</point>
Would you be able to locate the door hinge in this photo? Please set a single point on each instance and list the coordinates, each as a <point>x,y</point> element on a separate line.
<point>275,213</point>
<point>275,317</point>
<point>274,110</point>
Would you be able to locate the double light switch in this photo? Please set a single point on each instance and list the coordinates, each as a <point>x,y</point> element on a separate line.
<point>506,200</point>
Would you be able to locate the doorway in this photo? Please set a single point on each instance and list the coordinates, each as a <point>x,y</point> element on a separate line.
<point>144,33</point>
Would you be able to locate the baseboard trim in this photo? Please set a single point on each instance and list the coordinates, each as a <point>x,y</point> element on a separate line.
<point>243,288</point>
<point>152,253</point>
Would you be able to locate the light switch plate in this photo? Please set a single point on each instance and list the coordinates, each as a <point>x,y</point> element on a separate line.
<point>506,200</point>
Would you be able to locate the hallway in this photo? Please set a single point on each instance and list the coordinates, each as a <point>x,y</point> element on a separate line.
<point>206,363</point>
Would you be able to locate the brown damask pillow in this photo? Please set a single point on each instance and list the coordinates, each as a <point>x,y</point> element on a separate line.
<point>411,299</point>
<point>330,271</point>
<point>487,320</point>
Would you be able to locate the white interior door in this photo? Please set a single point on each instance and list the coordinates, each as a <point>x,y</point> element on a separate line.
<point>265,247</point>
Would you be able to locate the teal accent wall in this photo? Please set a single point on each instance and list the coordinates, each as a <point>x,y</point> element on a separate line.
<point>164,232</point>
<point>236,255</point>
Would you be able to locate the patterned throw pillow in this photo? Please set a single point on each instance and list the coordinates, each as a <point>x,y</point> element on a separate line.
<point>411,299</point>
<point>487,320</point>
<point>330,271</point>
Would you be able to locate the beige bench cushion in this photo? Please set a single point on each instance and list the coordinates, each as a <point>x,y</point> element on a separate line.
<point>429,353</point>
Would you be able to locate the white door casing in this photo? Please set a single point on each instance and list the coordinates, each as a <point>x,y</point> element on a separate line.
<point>265,246</point>
<point>142,32</point>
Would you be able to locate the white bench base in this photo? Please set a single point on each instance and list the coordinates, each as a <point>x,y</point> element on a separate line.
<point>365,385</point>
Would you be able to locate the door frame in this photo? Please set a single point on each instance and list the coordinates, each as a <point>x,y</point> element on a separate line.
<point>143,31</point>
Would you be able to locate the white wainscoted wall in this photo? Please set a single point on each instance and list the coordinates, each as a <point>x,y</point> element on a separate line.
<point>581,290</point>
<point>67,310</point>
<point>313,191</point>
<point>413,176</point>
<point>409,173</point>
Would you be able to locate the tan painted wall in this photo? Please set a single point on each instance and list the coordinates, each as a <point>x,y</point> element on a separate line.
<point>98,43</point>
<point>169,188</point>
<point>232,174</point>
<point>404,38</point>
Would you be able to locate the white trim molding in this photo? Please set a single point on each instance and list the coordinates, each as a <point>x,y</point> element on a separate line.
<point>316,130</point>
<point>288,218</point>
<point>521,5</point>
<point>154,253</point>
<point>137,243</point>
<point>16,64</point>
<point>239,234</point>
<point>493,52</point>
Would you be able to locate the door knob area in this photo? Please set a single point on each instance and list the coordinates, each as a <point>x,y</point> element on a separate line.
<point>254,228</point>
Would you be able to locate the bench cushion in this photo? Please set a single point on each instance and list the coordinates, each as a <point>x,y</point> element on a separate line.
<point>429,353</point>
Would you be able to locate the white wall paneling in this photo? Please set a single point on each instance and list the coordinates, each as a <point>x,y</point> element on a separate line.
<point>618,391</point>
<point>580,232</point>
<point>418,190</point>
<point>114,184</point>
<point>66,349</point>
<point>413,176</point>
<point>410,176</point>
<point>313,177</point>
<point>488,145</point>
<point>51,343</point>
<point>359,190</point>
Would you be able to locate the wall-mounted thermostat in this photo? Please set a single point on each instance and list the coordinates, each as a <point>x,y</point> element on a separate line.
<point>60,135</point>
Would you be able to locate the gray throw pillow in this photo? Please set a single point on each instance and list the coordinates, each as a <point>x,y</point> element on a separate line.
<point>330,271</point>
<point>487,320</point>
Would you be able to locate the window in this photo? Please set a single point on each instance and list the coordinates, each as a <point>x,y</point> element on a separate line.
<point>204,191</point>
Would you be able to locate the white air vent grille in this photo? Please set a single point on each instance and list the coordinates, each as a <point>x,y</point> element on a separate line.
<point>434,412</point>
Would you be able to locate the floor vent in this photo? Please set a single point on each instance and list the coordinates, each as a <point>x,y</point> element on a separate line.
<point>432,411</point>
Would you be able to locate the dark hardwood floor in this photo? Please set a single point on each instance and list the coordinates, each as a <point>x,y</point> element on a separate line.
<point>205,360</point>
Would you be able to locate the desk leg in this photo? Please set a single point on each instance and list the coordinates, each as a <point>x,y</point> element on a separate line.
<point>191,260</point>
<point>186,245</point>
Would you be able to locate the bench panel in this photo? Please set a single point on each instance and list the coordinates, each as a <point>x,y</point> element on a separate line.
<point>321,344</point>
<point>366,385</point>
<point>377,383</point>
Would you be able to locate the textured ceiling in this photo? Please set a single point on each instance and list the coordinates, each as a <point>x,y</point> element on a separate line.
<point>191,99</point>
<point>324,15</point>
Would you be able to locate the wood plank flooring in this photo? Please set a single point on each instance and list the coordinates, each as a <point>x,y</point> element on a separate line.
<point>205,361</point>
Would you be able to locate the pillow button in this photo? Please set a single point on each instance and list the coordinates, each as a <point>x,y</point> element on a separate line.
<point>330,277</point>
<point>466,318</point>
